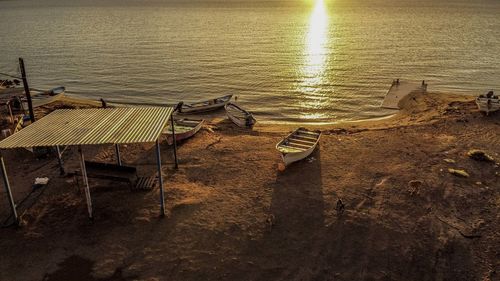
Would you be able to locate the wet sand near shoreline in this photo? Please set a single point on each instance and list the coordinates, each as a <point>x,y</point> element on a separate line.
<point>231,215</point>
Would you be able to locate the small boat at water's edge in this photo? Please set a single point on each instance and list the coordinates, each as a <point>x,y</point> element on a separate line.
<point>55,91</point>
<point>16,97</point>
<point>184,129</point>
<point>239,116</point>
<point>203,106</point>
<point>298,145</point>
<point>48,97</point>
<point>488,103</point>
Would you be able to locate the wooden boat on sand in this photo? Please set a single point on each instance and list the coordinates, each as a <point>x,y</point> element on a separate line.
<point>298,145</point>
<point>40,99</point>
<point>239,116</point>
<point>488,103</point>
<point>203,106</point>
<point>55,91</point>
<point>184,129</point>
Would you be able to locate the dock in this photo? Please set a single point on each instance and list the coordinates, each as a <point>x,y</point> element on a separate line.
<point>398,91</point>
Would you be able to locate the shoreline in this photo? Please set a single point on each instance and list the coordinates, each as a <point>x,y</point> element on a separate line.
<point>71,99</point>
<point>84,101</point>
<point>219,115</point>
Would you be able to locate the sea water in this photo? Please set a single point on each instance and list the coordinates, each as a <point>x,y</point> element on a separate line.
<point>287,61</point>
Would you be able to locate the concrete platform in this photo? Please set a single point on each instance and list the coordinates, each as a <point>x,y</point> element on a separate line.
<point>398,91</point>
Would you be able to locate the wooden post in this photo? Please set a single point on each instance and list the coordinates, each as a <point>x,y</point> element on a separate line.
<point>26,90</point>
<point>175,142</point>
<point>160,179</point>
<point>8,190</point>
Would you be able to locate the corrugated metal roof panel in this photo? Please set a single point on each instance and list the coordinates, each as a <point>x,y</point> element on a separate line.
<point>93,126</point>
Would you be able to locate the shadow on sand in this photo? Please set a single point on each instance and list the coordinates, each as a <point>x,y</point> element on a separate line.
<point>296,218</point>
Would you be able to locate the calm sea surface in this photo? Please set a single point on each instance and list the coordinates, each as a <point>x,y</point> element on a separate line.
<point>287,61</point>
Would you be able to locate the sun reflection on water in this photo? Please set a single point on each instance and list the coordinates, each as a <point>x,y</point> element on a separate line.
<point>315,61</point>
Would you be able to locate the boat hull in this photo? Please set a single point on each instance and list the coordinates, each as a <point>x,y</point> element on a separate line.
<point>205,106</point>
<point>488,105</point>
<point>290,158</point>
<point>183,135</point>
<point>56,91</point>
<point>246,120</point>
<point>43,99</point>
<point>298,145</point>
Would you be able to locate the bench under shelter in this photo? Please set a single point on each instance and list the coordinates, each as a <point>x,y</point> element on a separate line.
<point>94,126</point>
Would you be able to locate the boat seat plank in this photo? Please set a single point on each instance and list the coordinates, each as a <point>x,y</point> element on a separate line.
<point>306,142</point>
<point>304,137</point>
<point>290,143</point>
<point>291,147</point>
<point>307,132</point>
<point>300,138</point>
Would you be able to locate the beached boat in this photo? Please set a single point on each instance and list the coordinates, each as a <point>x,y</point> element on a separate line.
<point>298,145</point>
<point>56,91</point>
<point>203,106</point>
<point>39,99</point>
<point>239,116</point>
<point>488,103</point>
<point>184,128</point>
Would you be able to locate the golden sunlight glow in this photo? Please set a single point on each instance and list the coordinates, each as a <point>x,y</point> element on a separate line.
<point>316,57</point>
<point>316,40</point>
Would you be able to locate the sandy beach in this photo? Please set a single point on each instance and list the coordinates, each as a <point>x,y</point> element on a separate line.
<point>233,216</point>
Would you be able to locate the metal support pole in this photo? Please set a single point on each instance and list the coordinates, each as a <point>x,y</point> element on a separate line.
<point>22,107</point>
<point>175,142</point>
<point>118,158</point>
<point>26,90</point>
<point>59,159</point>
<point>85,182</point>
<point>10,112</point>
<point>9,192</point>
<point>160,179</point>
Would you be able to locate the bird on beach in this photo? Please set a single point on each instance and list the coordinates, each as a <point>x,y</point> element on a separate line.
<point>271,221</point>
<point>103,103</point>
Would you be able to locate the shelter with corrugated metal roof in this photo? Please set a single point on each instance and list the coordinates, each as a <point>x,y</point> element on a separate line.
<point>95,126</point>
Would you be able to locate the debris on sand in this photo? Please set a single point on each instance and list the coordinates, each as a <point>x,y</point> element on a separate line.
<point>340,207</point>
<point>459,173</point>
<point>414,186</point>
<point>415,183</point>
<point>449,161</point>
<point>480,155</point>
<point>281,167</point>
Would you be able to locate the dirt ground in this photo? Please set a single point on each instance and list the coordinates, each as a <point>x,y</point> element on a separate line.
<point>231,215</point>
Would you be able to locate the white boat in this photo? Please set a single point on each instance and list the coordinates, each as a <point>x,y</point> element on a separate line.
<point>56,91</point>
<point>239,116</point>
<point>298,145</point>
<point>184,128</point>
<point>488,103</point>
<point>203,106</point>
<point>39,99</point>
